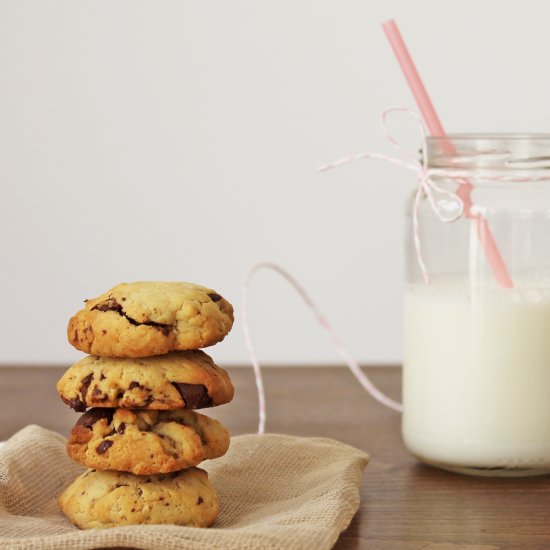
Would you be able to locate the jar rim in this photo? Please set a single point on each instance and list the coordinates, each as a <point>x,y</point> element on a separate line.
<point>525,152</point>
<point>491,136</point>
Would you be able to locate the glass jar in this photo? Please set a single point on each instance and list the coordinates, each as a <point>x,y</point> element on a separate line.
<point>476,376</point>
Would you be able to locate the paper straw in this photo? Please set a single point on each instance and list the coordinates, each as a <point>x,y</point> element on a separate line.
<point>435,128</point>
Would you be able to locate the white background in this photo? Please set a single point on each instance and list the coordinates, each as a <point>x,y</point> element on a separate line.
<point>180,140</point>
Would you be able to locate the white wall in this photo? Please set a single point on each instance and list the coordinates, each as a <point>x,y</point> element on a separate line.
<point>179,140</point>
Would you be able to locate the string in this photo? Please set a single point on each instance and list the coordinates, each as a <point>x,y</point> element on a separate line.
<point>337,342</point>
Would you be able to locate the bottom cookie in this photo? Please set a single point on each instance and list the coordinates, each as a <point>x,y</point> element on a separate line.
<point>98,499</point>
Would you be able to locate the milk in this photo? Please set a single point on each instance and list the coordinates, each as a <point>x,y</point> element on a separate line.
<point>476,379</point>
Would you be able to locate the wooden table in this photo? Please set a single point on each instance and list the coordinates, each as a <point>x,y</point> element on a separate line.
<point>404,505</point>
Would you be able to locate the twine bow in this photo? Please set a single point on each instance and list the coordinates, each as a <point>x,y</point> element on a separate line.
<point>426,185</point>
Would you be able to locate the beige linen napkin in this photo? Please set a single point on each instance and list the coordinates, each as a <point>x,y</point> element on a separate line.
<point>276,492</point>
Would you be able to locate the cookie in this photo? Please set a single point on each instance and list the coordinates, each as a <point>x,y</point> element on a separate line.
<point>150,318</point>
<point>177,380</point>
<point>145,442</point>
<point>111,499</point>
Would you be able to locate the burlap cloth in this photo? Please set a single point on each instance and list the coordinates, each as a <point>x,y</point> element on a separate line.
<point>276,491</point>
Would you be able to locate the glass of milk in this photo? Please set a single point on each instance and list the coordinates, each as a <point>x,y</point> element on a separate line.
<point>476,377</point>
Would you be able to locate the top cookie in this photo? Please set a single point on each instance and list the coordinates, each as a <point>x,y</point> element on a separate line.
<point>150,318</point>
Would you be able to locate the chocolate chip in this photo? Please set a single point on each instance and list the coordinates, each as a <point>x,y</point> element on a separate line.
<point>85,385</point>
<point>134,384</point>
<point>121,428</point>
<point>195,396</point>
<point>215,297</point>
<point>89,418</point>
<point>112,305</point>
<point>139,492</point>
<point>79,403</point>
<point>76,404</point>
<point>200,501</point>
<point>165,329</point>
<point>103,446</point>
<point>108,305</point>
<point>102,376</point>
<point>97,395</point>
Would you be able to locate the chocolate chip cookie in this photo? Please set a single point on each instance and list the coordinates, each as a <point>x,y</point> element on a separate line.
<point>177,380</point>
<point>150,318</point>
<point>145,442</point>
<point>98,499</point>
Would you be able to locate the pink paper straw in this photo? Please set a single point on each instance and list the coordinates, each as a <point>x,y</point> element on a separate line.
<point>436,129</point>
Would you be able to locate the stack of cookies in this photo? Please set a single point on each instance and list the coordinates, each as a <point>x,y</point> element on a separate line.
<point>139,435</point>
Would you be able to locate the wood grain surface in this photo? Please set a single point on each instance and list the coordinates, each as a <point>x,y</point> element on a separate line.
<point>404,505</point>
